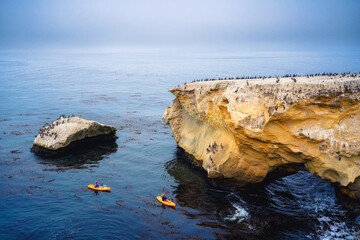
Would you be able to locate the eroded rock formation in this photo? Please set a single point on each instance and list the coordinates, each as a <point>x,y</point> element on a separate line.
<point>65,133</point>
<point>255,129</point>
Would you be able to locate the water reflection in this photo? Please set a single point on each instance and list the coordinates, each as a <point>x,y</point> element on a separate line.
<point>82,157</point>
<point>196,197</point>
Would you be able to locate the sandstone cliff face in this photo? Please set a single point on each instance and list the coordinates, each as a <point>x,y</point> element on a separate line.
<point>252,129</point>
<point>65,131</point>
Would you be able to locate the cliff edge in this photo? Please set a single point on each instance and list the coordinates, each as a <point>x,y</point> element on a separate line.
<point>262,129</point>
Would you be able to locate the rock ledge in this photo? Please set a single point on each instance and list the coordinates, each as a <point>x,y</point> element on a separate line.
<point>65,134</point>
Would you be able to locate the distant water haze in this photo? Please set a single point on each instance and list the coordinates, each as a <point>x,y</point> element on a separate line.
<point>247,25</point>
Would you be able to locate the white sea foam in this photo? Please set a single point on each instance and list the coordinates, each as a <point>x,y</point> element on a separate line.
<point>330,229</point>
<point>239,215</point>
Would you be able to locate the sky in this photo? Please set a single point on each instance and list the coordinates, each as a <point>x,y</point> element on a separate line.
<point>252,24</point>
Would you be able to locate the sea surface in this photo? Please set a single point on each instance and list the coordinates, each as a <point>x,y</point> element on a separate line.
<point>49,199</point>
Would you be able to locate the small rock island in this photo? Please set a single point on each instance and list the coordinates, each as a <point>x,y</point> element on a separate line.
<point>258,130</point>
<point>66,133</point>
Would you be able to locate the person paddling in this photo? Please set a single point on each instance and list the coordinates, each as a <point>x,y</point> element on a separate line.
<point>164,198</point>
<point>96,184</point>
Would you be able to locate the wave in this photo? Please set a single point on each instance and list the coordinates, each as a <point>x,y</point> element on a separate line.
<point>239,215</point>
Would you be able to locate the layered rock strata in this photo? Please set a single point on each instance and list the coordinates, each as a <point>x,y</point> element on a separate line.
<point>258,129</point>
<point>65,134</point>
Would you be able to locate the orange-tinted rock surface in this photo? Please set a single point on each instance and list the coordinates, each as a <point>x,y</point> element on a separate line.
<point>251,129</point>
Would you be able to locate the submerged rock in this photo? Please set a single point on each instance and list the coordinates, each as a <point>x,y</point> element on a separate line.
<point>65,134</point>
<point>258,130</point>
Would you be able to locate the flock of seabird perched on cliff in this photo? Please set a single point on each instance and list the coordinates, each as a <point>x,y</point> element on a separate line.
<point>292,76</point>
<point>213,148</point>
<point>45,130</point>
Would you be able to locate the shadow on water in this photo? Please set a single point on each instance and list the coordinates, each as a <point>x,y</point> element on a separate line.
<point>82,157</point>
<point>288,207</point>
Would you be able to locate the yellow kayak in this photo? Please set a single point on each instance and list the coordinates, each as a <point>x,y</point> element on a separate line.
<point>166,202</point>
<point>100,188</point>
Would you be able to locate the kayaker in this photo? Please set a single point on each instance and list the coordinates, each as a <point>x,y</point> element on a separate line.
<point>163,197</point>
<point>96,184</point>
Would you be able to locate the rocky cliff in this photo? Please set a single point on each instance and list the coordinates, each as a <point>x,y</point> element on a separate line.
<point>260,129</point>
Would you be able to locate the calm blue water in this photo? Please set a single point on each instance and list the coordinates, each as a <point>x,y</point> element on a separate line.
<point>49,199</point>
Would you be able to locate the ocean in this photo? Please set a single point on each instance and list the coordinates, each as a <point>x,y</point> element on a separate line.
<point>48,198</point>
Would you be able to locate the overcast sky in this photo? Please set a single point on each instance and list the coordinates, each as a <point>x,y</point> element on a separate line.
<point>253,24</point>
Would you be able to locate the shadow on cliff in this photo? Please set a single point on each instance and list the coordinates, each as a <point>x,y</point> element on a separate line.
<point>349,203</point>
<point>84,155</point>
<point>194,186</point>
<point>292,169</point>
<point>292,204</point>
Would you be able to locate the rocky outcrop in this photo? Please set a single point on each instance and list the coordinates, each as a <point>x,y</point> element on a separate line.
<point>262,129</point>
<point>65,134</point>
